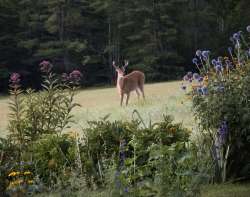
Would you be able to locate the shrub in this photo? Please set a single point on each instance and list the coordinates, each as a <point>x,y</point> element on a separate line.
<point>45,112</point>
<point>148,161</point>
<point>220,96</point>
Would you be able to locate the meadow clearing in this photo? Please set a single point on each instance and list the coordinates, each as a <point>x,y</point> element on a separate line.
<point>166,97</point>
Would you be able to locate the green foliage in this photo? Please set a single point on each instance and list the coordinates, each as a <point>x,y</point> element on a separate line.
<point>220,104</point>
<point>37,113</point>
<point>54,157</point>
<point>232,106</point>
<point>157,160</point>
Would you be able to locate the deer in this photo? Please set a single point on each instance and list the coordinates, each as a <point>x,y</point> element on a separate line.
<point>125,84</point>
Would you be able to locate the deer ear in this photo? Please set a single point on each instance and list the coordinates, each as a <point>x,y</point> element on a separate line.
<point>125,64</point>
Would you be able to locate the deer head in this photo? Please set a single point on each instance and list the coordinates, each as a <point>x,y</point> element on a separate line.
<point>121,70</point>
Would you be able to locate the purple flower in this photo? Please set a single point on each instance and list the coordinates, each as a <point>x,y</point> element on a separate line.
<point>223,132</point>
<point>230,50</point>
<point>15,79</point>
<point>185,78</point>
<point>229,63</point>
<point>200,79</point>
<point>199,91</point>
<point>195,61</point>
<point>45,66</point>
<point>218,68</point>
<point>214,62</point>
<point>126,190</point>
<point>204,90</point>
<point>205,54</point>
<point>196,76</point>
<point>236,36</point>
<point>190,75</point>
<point>75,76</point>
<point>198,53</point>
<point>248,28</point>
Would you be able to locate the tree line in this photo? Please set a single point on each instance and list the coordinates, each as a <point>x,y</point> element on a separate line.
<point>156,36</point>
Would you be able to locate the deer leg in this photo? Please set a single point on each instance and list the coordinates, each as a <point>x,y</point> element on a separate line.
<point>142,91</point>
<point>138,94</point>
<point>122,95</point>
<point>127,98</point>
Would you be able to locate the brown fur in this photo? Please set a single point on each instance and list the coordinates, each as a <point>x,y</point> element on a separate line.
<point>128,83</point>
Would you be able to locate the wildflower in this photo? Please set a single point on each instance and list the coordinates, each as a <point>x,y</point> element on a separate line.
<point>214,62</point>
<point>230,50</point>
<point>198,53</point>
<point>204,90</point>
<point>195,61</point>
<point>218,68</point>
<point>236,36</point>
<point>45,66</point>
<point>126,190</point>
<point>248,28</point>
<point>200,79</point>
<point>12,174</point>
<point>205,54</point>
<point>196,76</point>
<point>27,173</point>
<point>185,78</point>
<point>199,90</point>
<point>14,79</point>
<point>75,76</point>
<point>190,75</point>
<point>229,63</point>
<point>223,132</point>
<point>30,182</point>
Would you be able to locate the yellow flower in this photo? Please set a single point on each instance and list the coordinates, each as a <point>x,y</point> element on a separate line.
<point>27,173</point>
<point>30,182</point>
<point>16,182</point>
<point>172,130</point>
<point>14,174</point>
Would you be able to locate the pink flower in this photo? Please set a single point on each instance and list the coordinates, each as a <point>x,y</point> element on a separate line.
<point>75,76</point>
<point>45,66</point>
<point>15,78</point>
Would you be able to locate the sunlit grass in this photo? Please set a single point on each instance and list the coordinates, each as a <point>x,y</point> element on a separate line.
<point>96,103</point>
<point>226,190</point>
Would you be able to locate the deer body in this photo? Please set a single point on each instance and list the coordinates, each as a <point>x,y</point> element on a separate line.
<point>133,81</point>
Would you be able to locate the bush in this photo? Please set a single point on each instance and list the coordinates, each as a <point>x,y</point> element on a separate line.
<point>157,160</point>
<point>220,98</point>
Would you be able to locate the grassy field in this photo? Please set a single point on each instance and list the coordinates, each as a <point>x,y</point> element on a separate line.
<point>226,190</point>
<point>97,103</point>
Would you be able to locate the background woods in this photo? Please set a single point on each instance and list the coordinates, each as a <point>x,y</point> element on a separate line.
<point>157,36</point>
